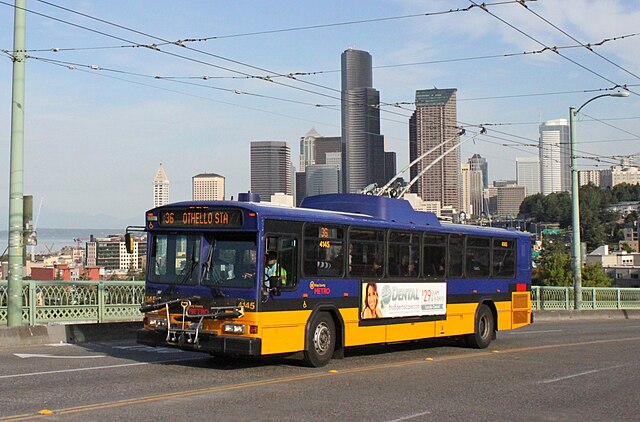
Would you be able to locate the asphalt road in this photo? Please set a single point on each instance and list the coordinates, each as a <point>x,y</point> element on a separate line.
<point>555,370</point>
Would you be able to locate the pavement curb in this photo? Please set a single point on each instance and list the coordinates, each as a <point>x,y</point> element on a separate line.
<point>26,335</point>
<point>585,315</point>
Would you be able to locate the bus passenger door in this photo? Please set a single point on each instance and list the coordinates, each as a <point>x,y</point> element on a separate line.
<point>283,326</point>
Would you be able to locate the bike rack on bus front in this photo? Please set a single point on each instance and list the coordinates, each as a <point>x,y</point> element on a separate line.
<point>177,335</point>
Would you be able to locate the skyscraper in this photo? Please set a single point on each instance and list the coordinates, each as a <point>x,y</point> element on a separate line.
<point>390,167</point>
<point>271,168</point>
<point>160,188</point>
<point>208,187</point>
<point>433,123</point>
<point>318,150</point>
<point>509,200</point>
<point>472,190</point>
<point>362,144</point>
<point>528,174</point>
<point>555,157</point>
<point>322,179</point>
<point>308,149</point>
<point>476,162</point>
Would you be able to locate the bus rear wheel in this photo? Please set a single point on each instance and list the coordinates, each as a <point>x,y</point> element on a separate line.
<point>321,340</point>
<point>483,329</point>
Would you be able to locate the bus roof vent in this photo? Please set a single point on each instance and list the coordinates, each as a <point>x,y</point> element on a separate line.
<point>248,197</point>
<point>380,207</point>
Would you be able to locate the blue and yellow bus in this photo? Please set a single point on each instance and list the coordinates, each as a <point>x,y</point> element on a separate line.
<point>250,278</point>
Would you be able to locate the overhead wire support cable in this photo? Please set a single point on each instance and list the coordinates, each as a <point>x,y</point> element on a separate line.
<point>555,51</point>
<point>191,95</point>
<point>587,46</point>
<point>72,65</point>
<point>310,27</point>
<point>155,48</point>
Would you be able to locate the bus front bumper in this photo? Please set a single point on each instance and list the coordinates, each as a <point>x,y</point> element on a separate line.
<point>210,343</point>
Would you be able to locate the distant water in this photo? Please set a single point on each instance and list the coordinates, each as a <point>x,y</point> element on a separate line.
<point>56,239</point>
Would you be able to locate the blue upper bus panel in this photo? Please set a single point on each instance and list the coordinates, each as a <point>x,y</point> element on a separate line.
<point>380,207</point>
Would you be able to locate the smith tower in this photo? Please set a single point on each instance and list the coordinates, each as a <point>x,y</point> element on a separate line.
<point>362,144</point>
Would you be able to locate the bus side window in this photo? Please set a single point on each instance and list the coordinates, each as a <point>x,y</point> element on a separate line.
<point>504,259</point>
<point>366,252</point>
<point>323,254</point>
<point>434,255</point>
<point>456,249</point>
<point>403,257</point>
<point>478,256</point>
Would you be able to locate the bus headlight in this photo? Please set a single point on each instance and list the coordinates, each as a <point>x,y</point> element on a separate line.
<point>157,322</point>
<point>233,328</point>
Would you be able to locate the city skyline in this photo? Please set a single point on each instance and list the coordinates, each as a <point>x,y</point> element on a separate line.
<point>100,115</point>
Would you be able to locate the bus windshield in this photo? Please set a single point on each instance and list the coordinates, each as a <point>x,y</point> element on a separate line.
<point>230,260</point>
<point>218,259</point>
<point>174,258</point>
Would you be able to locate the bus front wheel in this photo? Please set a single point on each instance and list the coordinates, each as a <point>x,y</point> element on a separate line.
<point>483,329</point>
<point>321,340</point>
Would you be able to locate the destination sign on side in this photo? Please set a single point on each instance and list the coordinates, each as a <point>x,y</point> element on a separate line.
<point>201,218</point>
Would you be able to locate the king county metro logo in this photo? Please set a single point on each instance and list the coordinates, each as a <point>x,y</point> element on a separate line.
<point>312,285</point>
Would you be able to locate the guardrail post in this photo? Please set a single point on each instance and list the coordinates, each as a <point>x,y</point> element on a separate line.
<point>33,302</point>
<point>619,305</point>
<point>101,301</point>
<point>566,298</point>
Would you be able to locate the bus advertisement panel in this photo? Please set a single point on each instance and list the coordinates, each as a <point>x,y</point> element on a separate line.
<point>398,300</point>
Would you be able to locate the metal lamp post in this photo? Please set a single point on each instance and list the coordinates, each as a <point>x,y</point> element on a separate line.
<point>576,259</point>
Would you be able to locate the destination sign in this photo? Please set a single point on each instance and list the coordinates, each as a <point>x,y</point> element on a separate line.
<point>201,218</point>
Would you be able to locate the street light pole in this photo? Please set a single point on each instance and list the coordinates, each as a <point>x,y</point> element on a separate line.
<point>576,258</point>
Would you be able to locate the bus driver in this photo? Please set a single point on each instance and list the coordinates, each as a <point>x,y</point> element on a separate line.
<point>272,268</point>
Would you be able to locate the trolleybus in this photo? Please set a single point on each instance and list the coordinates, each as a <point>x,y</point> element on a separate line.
<point>250,278</point>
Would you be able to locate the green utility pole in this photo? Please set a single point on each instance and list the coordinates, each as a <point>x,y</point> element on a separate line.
<point>576,245</point>
<point>16,172</point>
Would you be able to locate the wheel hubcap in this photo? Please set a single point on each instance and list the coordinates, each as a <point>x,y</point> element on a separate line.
<point>483,327</point>
<point>322,338</point>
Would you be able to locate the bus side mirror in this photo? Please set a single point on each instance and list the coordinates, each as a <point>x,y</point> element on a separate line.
<point>128,243</point>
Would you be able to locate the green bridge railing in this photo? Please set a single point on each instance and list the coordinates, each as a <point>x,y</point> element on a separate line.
<point>45,302</point>
<point>78,301</point>
<point>547,298</point>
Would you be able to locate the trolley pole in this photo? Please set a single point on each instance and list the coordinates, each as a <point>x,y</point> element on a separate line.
<point>16,172</point>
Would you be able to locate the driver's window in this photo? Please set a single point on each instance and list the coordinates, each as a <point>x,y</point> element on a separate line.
<point>280,261</point>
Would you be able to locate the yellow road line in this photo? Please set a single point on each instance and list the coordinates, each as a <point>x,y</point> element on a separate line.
<point>209,390</point>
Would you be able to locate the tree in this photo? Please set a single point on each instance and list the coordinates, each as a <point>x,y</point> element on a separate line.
<point>555,265</point>
<point>593,275</point>
<point>626,192</point>
<point>626,247</point>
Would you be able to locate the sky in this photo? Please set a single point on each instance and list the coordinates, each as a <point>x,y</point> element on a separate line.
<point>102,111</point>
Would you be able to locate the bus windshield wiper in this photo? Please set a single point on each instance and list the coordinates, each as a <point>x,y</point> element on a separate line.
<point>206,266</point>
<point>191,264</point>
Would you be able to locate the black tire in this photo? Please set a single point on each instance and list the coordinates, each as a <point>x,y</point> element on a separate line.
<point>483,329</point>
<point>321,340</point>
